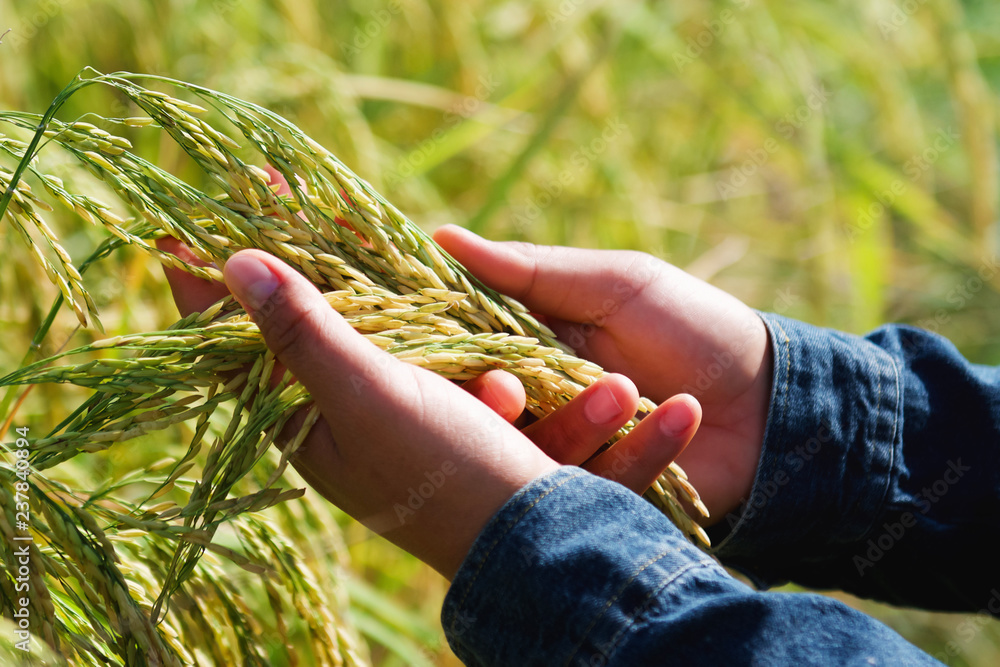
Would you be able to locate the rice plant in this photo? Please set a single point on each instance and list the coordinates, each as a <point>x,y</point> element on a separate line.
<point>464,110</point>
<point>211,369</point>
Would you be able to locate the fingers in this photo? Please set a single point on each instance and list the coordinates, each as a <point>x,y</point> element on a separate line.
<point>401,449</point>
<point>191,294</point>
<point>277,178</point>
<point>567,283</point>
<point>640,457</point>
<point>500,391</point>
<point>305,334</point>
<point>571,434</point>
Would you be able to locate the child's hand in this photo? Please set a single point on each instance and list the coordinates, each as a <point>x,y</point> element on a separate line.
<point>666,330</point>
<point>389,428</point>
<point>570,435</point>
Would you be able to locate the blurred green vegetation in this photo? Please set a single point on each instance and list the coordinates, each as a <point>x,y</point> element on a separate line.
<point>834,160</point>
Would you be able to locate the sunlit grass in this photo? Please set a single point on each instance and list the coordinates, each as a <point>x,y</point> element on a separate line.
<point>800,155</point>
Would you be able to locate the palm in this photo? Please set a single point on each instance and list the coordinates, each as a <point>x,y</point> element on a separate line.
<point>712,347</point>
<point>667,331</point>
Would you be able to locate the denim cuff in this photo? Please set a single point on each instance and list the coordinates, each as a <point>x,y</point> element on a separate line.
<point>833,436</point>
<point>563,574</point>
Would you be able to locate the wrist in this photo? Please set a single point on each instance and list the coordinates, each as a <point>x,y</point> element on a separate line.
<point>835,409</point>
<point>442,533</point>
<point>724,456</point>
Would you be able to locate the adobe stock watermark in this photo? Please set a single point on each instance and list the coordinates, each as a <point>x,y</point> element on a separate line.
<point>913,168</point>
<point>267,309</point>
<point>641,273</point>
<point>579,160</point>
<point>899,16</point>
<point>224,7</point>
<point>33,22</point>
<point>621,462</point>
<point>529,553</point>
<point>713,30</point>
<point>466,108</point>
<point>601,651</point>
<point>22,541</point>
<point>893,532</point>
<point>419,495</point>
<point>815,100</point>
<point>561,13</point>
<point>795,460</point>
<point>706,377</point>
<point>958,296</point>
<point>967,630</point>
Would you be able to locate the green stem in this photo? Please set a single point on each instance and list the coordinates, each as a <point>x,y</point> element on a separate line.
<point>498,194</point>
<point>77,84</point>
<point>57,103</point>
<point>101,252</point>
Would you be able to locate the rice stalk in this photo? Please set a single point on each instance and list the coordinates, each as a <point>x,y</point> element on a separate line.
<point>212,372</point>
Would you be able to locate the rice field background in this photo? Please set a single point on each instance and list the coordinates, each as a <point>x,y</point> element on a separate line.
<point>835,161</point>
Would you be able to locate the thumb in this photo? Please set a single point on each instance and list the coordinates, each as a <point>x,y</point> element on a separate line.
<point>565,283</point>
<point>388,435</point>
<point>306,335</point>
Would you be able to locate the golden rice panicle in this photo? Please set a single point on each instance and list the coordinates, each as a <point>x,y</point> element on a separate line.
<point>22,212</point>
<point>389,280</point>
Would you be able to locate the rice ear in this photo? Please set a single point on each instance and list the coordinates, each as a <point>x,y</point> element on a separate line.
<point>212,370</point>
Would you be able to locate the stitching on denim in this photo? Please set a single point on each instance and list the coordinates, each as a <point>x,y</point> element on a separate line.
<point>786,350</point>
<point>613,598</point>
<point>892,437</point>
<point>782,347</point>
<point>510,525</point>
<point>788,372</point>
<point>641,607</point>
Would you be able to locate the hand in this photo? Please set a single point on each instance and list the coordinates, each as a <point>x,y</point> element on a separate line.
<point>574,432</point>
<point>388,426</point>
<point>404,427</point>
<point>664,329</point>
<point>570,435</point>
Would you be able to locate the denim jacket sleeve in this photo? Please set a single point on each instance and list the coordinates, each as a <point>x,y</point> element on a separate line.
<point>880,475</point>
<point>880,471</point>
<point>577,570</point>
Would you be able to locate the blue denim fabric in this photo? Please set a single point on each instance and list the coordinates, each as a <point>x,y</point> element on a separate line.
<point>576,570</point>
<point>880,473</point>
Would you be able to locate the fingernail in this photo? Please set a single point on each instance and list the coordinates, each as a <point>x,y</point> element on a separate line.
<point>602,406</point>
<point>678,419</point>
<point>250,280</point>
<point>495,398</point>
